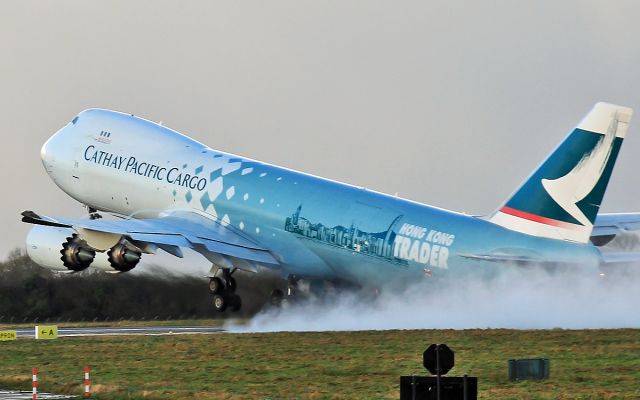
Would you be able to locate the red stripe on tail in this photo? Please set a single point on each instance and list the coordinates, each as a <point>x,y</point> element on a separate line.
<point>538,218</point>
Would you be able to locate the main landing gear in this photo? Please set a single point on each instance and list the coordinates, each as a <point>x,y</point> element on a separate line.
<point>223,287</point>
<point>297,290</point>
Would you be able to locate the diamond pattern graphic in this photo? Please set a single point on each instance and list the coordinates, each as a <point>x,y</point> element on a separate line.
<point>205,201</point>
<point>215,174</point>
<point>230,192</point>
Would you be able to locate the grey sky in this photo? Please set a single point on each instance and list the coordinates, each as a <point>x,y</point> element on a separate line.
<point>447,103</point>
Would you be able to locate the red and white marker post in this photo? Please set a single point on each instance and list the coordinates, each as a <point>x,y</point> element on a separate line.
<point>87,386</point>
<point>34,384</point>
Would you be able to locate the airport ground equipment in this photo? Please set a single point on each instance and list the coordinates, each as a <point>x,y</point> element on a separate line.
<point>528,368</point>
<point>438,359</point>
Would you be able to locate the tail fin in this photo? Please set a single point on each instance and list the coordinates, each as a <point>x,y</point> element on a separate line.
<point>560,200</point>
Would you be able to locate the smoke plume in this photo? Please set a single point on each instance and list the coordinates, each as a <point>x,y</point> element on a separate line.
<point>516,298</point>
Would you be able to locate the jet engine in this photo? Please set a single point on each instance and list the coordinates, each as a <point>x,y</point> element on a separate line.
<point>76,255</point>
<point>123,257</point>
<point>61,249</point>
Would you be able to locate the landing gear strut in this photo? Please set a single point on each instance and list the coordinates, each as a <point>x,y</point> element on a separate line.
<point>223,286</point>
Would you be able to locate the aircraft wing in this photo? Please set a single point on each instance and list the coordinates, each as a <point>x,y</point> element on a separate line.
<point>613,224</point>
<point>169,232</point>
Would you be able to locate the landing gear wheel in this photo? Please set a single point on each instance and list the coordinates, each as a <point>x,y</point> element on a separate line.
<point>216,285</point>
<point>277,296</point>
<point>223,286</point>
<point>235,302</point>
<point>231,285</point>
<point>220,302</point>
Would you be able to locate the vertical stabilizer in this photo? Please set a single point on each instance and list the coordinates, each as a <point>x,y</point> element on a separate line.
<point>561,199</point>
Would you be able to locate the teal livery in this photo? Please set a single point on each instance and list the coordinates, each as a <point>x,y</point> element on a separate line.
<point>532,198</point>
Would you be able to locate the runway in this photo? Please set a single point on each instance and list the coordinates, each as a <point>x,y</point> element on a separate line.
<point>127,331</point>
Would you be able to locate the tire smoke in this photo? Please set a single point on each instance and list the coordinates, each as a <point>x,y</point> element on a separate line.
<point>517,298</point>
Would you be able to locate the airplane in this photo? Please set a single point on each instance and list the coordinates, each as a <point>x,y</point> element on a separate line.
<point>165,191</point>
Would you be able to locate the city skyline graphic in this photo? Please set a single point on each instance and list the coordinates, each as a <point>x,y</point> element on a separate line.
<point>376,244</point>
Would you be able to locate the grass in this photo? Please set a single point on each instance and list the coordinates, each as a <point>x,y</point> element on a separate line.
<point>589,364</point>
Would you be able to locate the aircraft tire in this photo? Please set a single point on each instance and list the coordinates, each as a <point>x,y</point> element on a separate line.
<point>215,285</point>
<point>220,302</point>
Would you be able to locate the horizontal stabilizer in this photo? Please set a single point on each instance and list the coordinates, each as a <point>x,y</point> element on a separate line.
<point>611,258</point>
<point>613,224</point>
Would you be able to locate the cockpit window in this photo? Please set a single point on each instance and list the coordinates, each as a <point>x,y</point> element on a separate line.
<point>73,121</point>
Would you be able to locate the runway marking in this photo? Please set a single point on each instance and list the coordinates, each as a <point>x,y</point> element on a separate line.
<point>20,395</point>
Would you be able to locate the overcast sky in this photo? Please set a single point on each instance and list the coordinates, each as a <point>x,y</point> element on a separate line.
<point>448,103</point>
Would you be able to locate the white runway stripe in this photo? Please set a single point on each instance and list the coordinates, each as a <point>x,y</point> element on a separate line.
<point>17,395</point>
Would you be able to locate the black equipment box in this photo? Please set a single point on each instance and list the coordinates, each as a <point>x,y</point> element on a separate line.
<point>528,368</point>
<point>425,388</point>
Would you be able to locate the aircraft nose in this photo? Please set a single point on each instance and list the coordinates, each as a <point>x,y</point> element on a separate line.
<point>52,148</point>
<point>46,154</point>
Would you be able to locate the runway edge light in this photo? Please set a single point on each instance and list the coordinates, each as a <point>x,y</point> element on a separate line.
<point>46,332</point>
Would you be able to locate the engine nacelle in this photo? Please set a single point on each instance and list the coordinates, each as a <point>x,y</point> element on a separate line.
<point>60,249</point>
<point>76,254</point>
<point>123,257</point>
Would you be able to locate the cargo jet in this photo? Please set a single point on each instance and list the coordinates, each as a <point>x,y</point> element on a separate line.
<point>162,190</point>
